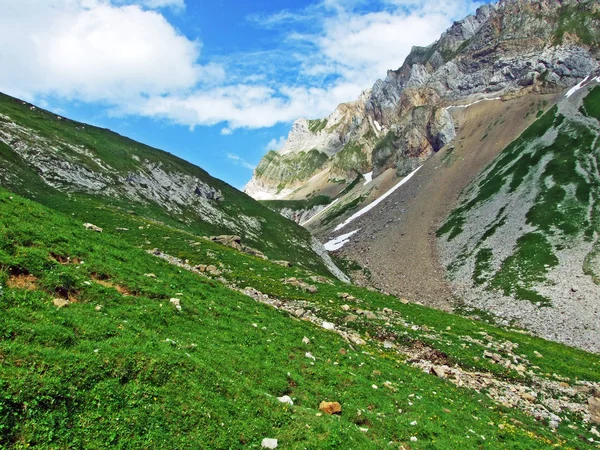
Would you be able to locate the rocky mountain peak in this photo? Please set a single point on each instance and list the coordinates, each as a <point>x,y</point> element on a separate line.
<point>503,50</point>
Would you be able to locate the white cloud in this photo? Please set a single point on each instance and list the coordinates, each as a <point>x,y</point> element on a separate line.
<point>240,161</point>
<point>276,144</point>
<point>226,131</point>
<point>94,51</point>
<point>178,5</point>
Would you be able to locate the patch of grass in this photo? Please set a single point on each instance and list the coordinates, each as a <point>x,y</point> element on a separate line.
<point>297,205</point>
<point>591,104</point>
<point>483,265</point>
<point>577,19</point>
<point>340,209</point>
<point>315,126</point>
<point>351,159</point>
<point>527,266</point>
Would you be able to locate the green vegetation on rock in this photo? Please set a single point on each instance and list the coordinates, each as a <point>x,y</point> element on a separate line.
<point>315,126</point>
<point>351,159</point>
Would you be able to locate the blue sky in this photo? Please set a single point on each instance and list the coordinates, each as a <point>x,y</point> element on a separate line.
<point>215,82</point>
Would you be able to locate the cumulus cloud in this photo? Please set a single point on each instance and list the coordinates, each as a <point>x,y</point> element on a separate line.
<point>240,161</point>
<point>94,51</point>
<point>276,144</point>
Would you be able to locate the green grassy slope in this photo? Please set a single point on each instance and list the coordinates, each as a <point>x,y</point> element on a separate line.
<point>116,162</point>
<point>121,367</point>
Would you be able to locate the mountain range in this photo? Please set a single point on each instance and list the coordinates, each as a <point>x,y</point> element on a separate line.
<point>437,285</point>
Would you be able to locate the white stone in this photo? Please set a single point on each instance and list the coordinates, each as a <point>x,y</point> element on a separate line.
<point>269,443</point>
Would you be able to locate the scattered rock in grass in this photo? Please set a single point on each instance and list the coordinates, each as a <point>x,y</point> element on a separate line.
<point>343,351</point>
<point>328,326</point>
<point>300,284</point>
<point>213,270</point>
<point>368,314</point>
<point>364,430</point>
<point>286,399</point>
<point>269,443</point>
<point>150,275</point>
<point>60,302</point>
<point>92,227</point>
<point>537,354</point>
<point>283,263</point>
<point>330,407</point>
<point>345,308</point>
<point>176,302</point>
<point>320,279</point>
<point>493,356</point>
<point>98,308</point>
<point>350,318</point>
<point>528,397</point>
<point>413,439</point>
<point>306,340</point>
<point>594,409</point>
<point>122,229</point>
<point>309,355</point>
<point>439,371</point>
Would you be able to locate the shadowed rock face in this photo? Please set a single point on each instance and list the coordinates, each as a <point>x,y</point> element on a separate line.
<point>504,50</point>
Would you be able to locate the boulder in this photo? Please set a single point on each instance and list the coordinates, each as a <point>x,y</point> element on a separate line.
<point>330,407</point>
<point>269,443</point>
<point>60,302</point>
<point>594,408</point>
<point>92,227</point>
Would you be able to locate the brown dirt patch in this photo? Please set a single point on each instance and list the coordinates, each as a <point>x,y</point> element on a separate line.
<point>104,280</point>
<point>22,281</point>
<point>64,260</point>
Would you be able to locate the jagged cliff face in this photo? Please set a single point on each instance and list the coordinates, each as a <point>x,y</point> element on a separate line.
<point>507,49</point>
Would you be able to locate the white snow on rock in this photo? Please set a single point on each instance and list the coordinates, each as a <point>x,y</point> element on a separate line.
<point>576,87</point>
<point>369,207</point>
<point>340,241</point>
<point>474,103</point>
<point>368,178</point>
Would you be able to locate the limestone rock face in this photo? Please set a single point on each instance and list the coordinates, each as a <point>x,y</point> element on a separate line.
<point>507,49</point>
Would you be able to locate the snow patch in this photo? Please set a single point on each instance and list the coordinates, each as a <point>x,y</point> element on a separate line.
<point>377,125</point>
<point>340,241</point>
<point>368,178</point>
<point>474,103</point>
<point>369,207</point>
<point>576,87</point>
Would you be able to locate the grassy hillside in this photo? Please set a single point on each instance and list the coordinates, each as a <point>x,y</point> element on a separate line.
<point>75,168</point>
<point>121,366</point>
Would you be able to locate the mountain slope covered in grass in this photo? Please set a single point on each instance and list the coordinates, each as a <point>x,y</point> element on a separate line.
<point>78,168</point>
<point>96,353</point>
<point>523,243</point>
